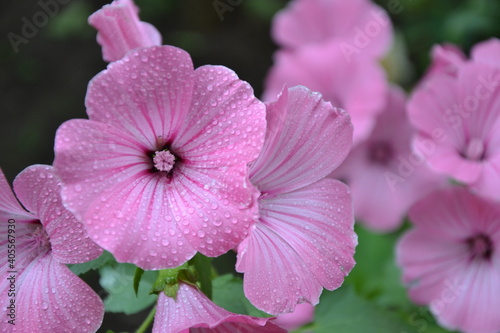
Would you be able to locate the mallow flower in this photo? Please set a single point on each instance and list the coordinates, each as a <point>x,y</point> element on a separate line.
<point>191,311</point>
<point>159,170</point>
<point>457,117</point>
<point>384,174</point>
<point>39,292</point>
<point>451,260</point>
<point>355,26</point>
<point>359,87</point>
<point>120,30</point>
<point>303,240</point>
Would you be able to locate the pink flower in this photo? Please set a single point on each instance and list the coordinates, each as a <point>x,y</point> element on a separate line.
<point>304,239</point>
<point>302,315</point>
<point>119,29</point>
<point>358,87</point>
<point>458,119</point>
<point>39,293</point>
<point>385,176</point>
<point>451,259</point>
<point>160,169</point>
<point>356,26</point>
<point>193,312</point>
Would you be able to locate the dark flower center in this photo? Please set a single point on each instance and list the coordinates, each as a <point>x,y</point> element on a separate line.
<point>480,247</point>
<point>380,153</point>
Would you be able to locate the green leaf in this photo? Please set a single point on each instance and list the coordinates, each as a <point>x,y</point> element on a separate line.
<point>118,281</point>
<point>228,293</point>
<point>103,259</point>
<point>204,268</point>
<point>137,279</point>
<point>344,311</point>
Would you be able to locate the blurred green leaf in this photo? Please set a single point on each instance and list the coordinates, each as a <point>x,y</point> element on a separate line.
<point>103,259</point>
<point>118,282</point>
<point>228,293</point>
<point>137,279</point>
<point>204,269</point>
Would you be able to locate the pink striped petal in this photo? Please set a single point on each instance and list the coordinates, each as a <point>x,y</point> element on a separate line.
<point>9,206</point>
<point>50,298</point>
<point>303,242</point>
<point>193,312</point>
<point>146,95</point>
<point>38,188</point>
<point>119,29</point>
<point>297,152</point>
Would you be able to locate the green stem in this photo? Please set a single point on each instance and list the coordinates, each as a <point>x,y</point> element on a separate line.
<point>147,322</point>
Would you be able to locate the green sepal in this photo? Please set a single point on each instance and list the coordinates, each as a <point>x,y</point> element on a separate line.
<point>168,277</point>
<point>137,279</point>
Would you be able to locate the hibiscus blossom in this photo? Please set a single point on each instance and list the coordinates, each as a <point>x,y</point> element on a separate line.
<point>359,86</point>
<point>119,29</point>
<point>465,110</point>
<point>356,26</point>
<point>304,239</point>
<point>46,295</point>
<point>385,176</point>
<point>451,260</point>
<point>192,311</point>
<point>159,171</point>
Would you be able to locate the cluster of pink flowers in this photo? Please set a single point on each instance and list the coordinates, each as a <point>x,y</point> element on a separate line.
<point>174,161</point>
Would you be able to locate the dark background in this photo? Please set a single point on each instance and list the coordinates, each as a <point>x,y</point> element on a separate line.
<point>44,83</point>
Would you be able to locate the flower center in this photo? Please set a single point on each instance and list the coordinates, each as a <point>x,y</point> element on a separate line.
<point>474,150</point>
<point>380,153</point>
<point>163,160</point>
<point>480,246</point>
<point>40,239</point>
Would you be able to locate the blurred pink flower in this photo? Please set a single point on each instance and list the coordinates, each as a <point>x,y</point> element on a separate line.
<point>458,118</point>
<point>119,29</point>
<point>451,261</point>
<point>385,176</point>
<point>359,87</point>
<point>302,315</point>
<point>48,296</point>
<point>160,169</point>
<point>193,312</point>
<point>304,238</point>
<point>356,26</point>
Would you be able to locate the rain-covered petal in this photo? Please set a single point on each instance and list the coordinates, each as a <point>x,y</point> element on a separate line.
<point>9,206</point>
<point>304,241</point>
<point>119,29</point>
<point>192,311</point>
<point>307,139</point>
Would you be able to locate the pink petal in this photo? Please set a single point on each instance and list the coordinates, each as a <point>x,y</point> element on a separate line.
<point>303,242</point>
<point>214,207</point>
<point>446,59</point>
<point>225,124</point>
<point>38,188</point>
<point>297,152</point>
<point>487,52</point>
<point>146,95</point>
<point>9,206</point>
<point>52,299</point>
<point>302,315</point>
<point>119,29</point>
<point>359,86</point>
<point>192,311</point>
<point>360,24</point>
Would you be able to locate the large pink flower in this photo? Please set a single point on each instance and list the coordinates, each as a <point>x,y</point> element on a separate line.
<point>359,87</point>
<point>193,312</point>
<point>304,239</point>
<point>458,123</point>
<point>39,293</point>
<point>119,29</point>
<point>385,176</point>
<point>357,26</point>
<point>160,169</point>
<point>451,259</point>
